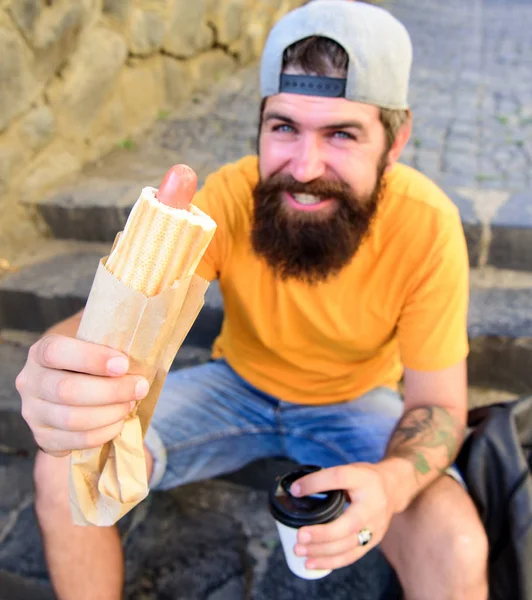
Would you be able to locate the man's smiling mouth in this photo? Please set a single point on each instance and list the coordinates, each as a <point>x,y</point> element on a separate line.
<point>307,202</point>
<point>307,199</point>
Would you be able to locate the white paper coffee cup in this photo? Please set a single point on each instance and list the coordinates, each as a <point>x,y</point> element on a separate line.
<point>291,513</point>
<point>295,563</point>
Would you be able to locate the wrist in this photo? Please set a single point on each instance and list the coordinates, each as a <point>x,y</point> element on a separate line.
<point>399,482</point>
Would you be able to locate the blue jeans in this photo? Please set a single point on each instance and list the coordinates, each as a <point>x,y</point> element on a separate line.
<point>209,421</point>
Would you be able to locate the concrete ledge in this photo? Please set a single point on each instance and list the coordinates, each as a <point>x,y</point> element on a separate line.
<point>79,214</point>
<point>15,435</point>
<point>501,362</point>
<point>511,248</point>
<point>17,587</point>
<point>500,312</point>
<point>208,324</point>
<point>16,483</point>
<point>471,224</point>
<point>38,296</point>
<point>511,244</point>
<point>42,294</point>
<point>94,210</point>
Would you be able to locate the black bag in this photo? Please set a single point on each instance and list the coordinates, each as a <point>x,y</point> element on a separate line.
<point>496,464</point>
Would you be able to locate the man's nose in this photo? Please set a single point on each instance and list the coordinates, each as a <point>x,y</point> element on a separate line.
<point>308,164</point>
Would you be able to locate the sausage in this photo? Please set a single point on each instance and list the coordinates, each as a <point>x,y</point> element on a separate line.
<point>178,187</point>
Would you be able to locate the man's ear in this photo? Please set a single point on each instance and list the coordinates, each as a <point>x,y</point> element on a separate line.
<point>401,140</point>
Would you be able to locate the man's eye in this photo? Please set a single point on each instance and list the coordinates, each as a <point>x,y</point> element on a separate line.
<point>343,135</point>
<point>283,128</point>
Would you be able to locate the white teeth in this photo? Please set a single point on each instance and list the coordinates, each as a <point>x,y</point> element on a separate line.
<point>306,199</point>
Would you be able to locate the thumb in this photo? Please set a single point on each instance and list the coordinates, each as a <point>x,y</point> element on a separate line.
<point>178,187</point>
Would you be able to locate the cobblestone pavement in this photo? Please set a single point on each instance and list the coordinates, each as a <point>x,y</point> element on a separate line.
<point>471,96</point>
<point>471,91</point>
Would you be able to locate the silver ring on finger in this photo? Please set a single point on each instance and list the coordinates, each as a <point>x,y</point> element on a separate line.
<point>364,536</point>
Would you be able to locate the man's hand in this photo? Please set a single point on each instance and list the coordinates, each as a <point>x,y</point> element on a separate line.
<point>75,394</point>
<point>336,544</point>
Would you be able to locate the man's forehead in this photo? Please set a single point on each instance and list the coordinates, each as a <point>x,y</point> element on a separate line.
<point>320,111</point>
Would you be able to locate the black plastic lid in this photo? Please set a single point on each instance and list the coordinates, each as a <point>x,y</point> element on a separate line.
<point>308,510</point>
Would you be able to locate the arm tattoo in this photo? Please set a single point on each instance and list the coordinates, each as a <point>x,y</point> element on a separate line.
<point>428,437</point>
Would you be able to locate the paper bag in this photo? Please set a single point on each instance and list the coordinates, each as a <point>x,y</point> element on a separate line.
<point>107,482</point>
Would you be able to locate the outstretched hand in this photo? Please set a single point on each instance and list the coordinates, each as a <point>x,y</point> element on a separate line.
<point>75,394</point>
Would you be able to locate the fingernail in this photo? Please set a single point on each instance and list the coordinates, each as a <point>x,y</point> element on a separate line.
<point>304,537</point>
<point>300,550</point>
<point>310,565</point>
<point>118,365</point>
<point>295,489</point>
<point>141,389</point>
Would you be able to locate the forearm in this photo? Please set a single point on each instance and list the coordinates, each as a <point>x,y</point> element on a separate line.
<point>68,327</point>
<point>424,443</point>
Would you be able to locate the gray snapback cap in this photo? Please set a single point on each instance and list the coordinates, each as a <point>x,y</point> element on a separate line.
<point>377,44</point>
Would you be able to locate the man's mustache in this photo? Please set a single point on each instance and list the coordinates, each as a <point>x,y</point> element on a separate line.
<point>322,188</point>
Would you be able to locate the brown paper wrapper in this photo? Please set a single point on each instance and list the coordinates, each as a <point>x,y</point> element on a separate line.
<point>107,482</point>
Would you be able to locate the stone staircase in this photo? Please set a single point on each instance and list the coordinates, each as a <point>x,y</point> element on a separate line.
<point>56,276</point>
<point>235,552</point>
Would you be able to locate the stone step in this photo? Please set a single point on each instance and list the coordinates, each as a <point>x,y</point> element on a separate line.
<point>15,435</point>
<point>500,316</point>
<point>93,210</point>
<point>42,293</point>
<point>97,208</point>
<point>497,226</point>
<point>34,298</point>
<point>55,277</point>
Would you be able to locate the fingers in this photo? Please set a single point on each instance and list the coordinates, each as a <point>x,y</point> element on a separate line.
<point>334,478</point>
<point>178,187</point>
<point>72,403</point>
<point>339,552</point>
<point>338,560</point>
<point>59,443</point>
<point>73,396</point>
<point>336,544</point>
<point>339,546</point>
<point>60,352</point>
<point>347,525</point>
<point>78,418</point>
<point>76,389</point>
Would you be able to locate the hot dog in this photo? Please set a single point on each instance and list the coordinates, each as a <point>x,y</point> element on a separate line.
<point>164,237</point>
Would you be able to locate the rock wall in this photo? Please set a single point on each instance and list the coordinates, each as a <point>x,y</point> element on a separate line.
<point>78,77</point>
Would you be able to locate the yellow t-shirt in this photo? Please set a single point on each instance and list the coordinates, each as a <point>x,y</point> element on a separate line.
<point>401,301</point>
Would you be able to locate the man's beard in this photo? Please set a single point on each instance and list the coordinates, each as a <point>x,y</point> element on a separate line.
<point>310,246</point>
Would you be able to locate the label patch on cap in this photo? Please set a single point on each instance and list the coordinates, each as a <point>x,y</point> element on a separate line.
<point>312,85</point>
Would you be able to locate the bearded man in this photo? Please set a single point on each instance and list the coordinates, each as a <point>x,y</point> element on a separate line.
<point>341,271</point>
